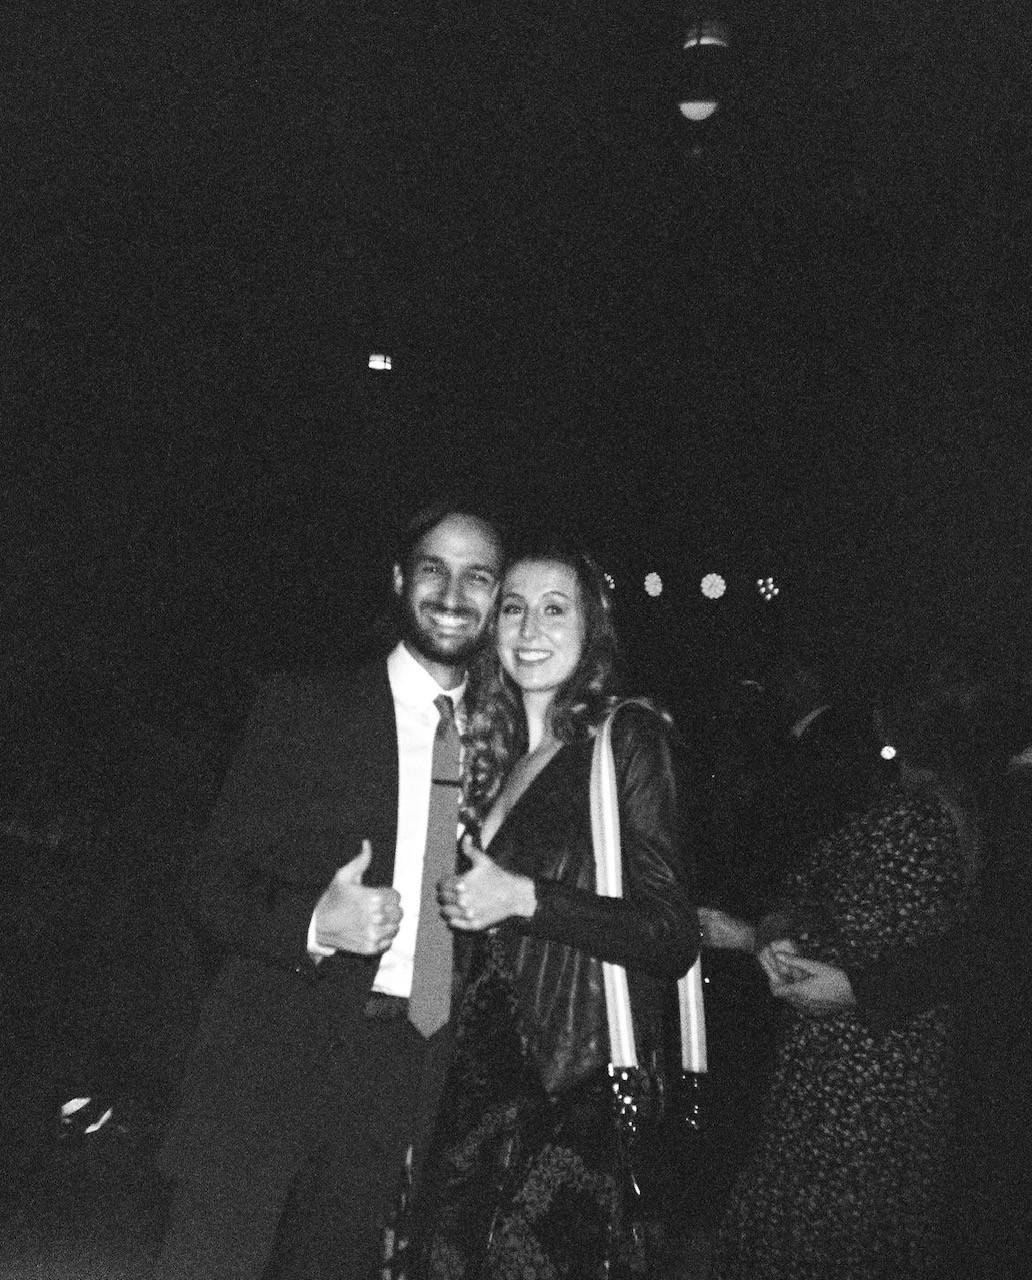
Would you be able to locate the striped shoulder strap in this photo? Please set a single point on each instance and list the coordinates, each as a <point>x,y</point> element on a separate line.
<point>605,831</point>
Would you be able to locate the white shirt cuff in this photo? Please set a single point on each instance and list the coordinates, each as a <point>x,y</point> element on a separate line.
<point>315,949</point>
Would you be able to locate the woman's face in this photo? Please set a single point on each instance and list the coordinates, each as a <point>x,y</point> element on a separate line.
<point>541,625</point>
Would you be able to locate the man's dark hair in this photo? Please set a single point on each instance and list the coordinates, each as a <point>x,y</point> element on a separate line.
<point>429,517</point>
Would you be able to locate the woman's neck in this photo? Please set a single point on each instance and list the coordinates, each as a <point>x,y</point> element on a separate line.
<point>539,722</point>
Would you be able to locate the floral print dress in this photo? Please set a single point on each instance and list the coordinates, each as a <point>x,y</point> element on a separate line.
<point>527,1186</point>
<point>848,1177</point>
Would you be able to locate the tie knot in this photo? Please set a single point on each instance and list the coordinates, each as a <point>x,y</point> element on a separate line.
<point>446,707</point>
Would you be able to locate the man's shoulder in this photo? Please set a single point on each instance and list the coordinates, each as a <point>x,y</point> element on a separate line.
<point>347,687</point>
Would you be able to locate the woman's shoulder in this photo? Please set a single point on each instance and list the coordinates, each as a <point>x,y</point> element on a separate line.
<point>639,723</point>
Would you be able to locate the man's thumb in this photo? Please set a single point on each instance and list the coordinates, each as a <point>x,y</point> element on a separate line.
<point>354,870</point>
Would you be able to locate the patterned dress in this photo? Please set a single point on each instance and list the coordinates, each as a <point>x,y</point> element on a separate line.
<point>527,1185</point>
<point>848,1180</point>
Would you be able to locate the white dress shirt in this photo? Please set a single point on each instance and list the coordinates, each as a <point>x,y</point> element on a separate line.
<point>413,690</point>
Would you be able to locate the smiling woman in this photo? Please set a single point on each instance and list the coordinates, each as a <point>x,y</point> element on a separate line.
<point>540,627</point>
<point>525,1175</point>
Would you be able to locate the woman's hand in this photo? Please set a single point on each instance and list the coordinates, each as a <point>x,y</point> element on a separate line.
<point>725,932</point>
<point>485,895</point>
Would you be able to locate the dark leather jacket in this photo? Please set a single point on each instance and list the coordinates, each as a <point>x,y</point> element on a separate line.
<point>653,929</point>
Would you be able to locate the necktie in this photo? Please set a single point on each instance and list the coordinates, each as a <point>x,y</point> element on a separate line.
<point>430,1001</point>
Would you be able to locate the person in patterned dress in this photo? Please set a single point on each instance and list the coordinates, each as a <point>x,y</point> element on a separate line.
<point>849,1177</point>
<point>526,1179</point>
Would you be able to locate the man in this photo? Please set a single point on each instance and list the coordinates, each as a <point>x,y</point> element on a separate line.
<point>308,1077</point>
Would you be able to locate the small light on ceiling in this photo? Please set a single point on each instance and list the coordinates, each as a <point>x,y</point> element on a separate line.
<point>653,584</point>
<point>888,752</point>
<point>713,586</point>
<point>708,32</point>
<point>702,78</point>
<point>697,111</point>
<point>379,361</point>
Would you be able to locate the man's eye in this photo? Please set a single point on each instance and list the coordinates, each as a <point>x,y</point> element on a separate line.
<point>510,609</point>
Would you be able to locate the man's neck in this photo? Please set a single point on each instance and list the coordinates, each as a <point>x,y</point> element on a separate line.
<point>447,675</point>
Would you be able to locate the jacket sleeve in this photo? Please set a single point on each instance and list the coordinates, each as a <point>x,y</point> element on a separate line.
<point>248,894</point>
<point>654,927</point>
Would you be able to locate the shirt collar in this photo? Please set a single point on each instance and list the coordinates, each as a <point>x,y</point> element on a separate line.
<point>412,684</point>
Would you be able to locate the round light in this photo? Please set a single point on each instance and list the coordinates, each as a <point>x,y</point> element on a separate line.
<point>888,752</point>
<point>610,580</point>
<point>653,584</point>
<point>696,112</point>
<point>713,586</point>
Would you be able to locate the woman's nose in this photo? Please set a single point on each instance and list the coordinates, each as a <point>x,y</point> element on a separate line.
<point>528,624</point>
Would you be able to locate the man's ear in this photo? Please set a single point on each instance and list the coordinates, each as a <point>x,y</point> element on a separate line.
<point>399,580</point>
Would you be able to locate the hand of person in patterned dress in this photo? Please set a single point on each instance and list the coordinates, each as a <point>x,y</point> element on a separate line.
<point>818,987</point>
<point>776,960</point>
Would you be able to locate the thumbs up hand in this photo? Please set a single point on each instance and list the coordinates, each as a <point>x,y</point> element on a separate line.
<point>484,895</point>
<point>352,916</point>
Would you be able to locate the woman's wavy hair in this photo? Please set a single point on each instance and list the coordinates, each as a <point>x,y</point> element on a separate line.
<point>497,731</point>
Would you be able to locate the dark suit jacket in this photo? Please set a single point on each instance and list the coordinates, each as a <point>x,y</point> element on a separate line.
<point>316,773</point>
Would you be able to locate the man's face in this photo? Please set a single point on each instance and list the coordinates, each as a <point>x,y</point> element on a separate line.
<point>448,591</point>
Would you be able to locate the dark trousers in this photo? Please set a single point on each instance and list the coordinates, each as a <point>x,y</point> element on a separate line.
<point>324,1221</point>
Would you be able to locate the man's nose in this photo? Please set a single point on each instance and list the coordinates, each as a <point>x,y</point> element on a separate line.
<point>451,590</point>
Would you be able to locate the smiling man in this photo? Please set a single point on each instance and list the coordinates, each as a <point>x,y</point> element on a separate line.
<point>309,1079</point>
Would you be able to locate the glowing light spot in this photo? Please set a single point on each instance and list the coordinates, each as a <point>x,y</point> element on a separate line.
<point>697,111</point>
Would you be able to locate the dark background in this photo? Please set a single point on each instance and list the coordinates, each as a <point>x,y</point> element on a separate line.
<point>793,342</point>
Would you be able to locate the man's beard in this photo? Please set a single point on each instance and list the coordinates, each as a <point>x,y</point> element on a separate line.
<point>458,652</point>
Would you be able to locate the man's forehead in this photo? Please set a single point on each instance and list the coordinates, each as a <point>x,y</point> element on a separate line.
<point>461,537</point>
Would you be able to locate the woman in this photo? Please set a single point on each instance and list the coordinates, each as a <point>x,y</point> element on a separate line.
<point>524,1177</point>
<point>849,1176</point>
